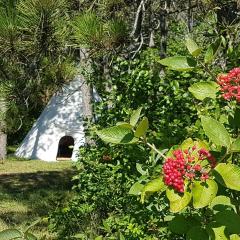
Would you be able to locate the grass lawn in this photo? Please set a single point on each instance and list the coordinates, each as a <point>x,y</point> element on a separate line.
<point>30,189</point>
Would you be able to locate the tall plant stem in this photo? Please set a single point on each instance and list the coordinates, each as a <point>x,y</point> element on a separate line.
<point>208,70</point>
<point>152,146</point>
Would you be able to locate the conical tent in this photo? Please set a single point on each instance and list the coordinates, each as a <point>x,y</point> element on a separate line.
<point>58,132</point>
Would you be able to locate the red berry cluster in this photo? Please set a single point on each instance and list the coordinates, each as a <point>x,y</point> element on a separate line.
<point>174,170</point>
<point>230,84</point>
<point>187,164</point>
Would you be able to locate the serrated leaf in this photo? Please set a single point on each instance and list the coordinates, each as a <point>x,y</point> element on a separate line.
<point>117,135</point>
<point>179,63</point>
<point>135,116</point>
<point>178,201</point>
<point>197,233</point>
<point>228,175</point>
<point>236,145</point>
<point>203,193</point>
<point>10,234</point>
<point>212,51</point>
<point>229,219</point>
<point>192,47</point>
<point>204,90</point>
<point>142,128</point>
<point>155,185</point>
<point>136,189</point>
<point>216,132</point>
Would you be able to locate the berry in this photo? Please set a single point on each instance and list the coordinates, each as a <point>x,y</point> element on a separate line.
<point>230,84</point>
<point>185,165</point>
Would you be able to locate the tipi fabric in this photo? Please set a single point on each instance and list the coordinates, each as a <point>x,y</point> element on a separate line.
<point>63,116</point>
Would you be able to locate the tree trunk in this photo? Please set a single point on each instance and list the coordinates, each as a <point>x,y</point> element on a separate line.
<point>190,16</point>
<point>87,97</point>
<point>86,89</point>
<point>164,28</point>
<point>3,135</point>
<point>87,100</point>
<point>3,146</point>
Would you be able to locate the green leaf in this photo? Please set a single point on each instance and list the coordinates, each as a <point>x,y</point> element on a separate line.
<point>178,201</point>
<point>179,63</point>
<point>189,143</point>
<point>121,237</point>
<point>30,236</point>
<point>99,238</point>
<point>34,223</point>
<point>197,233</point>
<point>117,135</point>
<point>155,185</point>
<point>135,116</point>
<point>124,124</point>
<point>234,237</point>
<point>228,175</point>
<point>234,120</point>
<point>136,189</point>
<point>186,144</point>
<point>221,203</point>
<point>179,225</point>
<point>204,90</point>
<point>212,51</point>
<point>203,193</point>
<point>201,144</point>
<point>236,145</point>
<point>219,233</point>
<point>192,47</point>
<point>216,132</point>
<point>142,128</point>
<point>10,234</point>
<point>140,170</point>
<point>229,219</point>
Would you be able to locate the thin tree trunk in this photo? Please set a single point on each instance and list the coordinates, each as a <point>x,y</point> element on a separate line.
<point>3,135</point>
<point>86,90</point>
<point>190,16</point>
<point>87,100</point>
<point>87,97</point>
<point>3,146</point>
<point>164,28</point>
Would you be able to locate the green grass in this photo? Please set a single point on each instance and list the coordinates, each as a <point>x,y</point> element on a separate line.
<point>31,189</point>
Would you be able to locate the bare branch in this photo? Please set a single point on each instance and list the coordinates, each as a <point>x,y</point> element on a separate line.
<point>138,19</point>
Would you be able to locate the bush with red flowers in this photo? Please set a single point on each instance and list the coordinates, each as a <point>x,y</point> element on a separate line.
<point>197,174</point>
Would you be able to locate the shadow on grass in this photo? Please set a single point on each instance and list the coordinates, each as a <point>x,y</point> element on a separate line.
<point>29,182</point>
<point>27,196</point>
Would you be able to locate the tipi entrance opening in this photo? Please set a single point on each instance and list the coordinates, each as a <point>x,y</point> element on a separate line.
<point>65,148</point>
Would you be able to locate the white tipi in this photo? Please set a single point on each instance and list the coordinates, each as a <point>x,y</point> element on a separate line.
<point>58,132</point>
